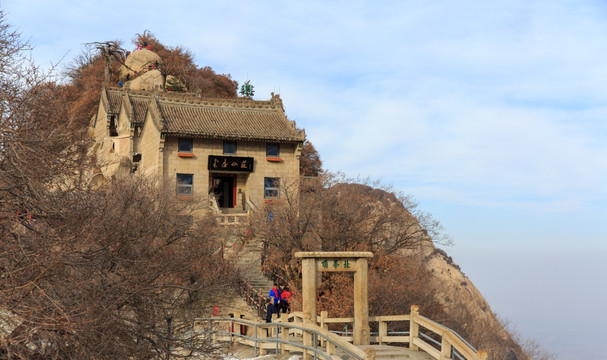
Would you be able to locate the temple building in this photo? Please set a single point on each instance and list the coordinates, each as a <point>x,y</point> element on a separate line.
<point>232,154</point>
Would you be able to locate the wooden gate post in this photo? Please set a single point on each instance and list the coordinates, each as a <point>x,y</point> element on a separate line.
<point>355,261</point>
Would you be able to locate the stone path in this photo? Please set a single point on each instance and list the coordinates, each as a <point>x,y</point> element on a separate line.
<point>248,261</point>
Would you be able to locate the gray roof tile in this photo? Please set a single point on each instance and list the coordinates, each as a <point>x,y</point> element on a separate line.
<point>192,115</point>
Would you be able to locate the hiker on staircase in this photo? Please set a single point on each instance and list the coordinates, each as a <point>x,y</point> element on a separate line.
<point>285,298</point>
<point>273,302</point>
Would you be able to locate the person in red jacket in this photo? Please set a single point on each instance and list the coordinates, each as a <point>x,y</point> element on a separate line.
<point>285,299</point>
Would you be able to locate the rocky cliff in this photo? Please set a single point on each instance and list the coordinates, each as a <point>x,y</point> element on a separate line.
<point>469,313</point>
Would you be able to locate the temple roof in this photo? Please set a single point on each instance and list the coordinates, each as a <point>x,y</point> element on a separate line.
<point>114,101</point>
<point>185,114</point>
<point>139,105</point>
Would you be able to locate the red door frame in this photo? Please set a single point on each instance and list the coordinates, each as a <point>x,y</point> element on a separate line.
<point>234,182</point>
<point>235,177</point>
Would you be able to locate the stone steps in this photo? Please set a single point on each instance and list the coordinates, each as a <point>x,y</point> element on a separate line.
<point>248,261</point>
<point>229,211</point>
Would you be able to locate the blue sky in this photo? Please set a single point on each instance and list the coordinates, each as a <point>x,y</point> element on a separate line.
<point>491,114</point>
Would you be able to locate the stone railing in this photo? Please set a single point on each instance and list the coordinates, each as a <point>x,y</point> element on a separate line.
<point>280,336</point>
<point>251,205</point>
<point>423,334</point>
<point>232,219</point>
<point>214,207</point>
<point>226,219</point>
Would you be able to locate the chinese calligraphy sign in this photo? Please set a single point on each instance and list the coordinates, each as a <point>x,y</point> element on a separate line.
<point>231,163</point>
<point>335,265</point>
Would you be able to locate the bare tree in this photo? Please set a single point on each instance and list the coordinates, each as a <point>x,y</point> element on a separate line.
<point>334,213</point>
<point>108,50</point>
<point>89,272</point>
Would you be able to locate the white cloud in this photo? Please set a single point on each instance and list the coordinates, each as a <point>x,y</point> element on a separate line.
<point>502,102</point>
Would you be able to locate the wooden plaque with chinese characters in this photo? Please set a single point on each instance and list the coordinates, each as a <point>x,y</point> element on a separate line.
<point>231,163</point>
<point>336,264</point>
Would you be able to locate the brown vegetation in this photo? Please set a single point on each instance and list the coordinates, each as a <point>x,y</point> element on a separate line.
<point>179,62</point>
<point>87,272</point>
<point>309,162</point>
<point>334,214</point>
<point>86,74</point>
<point>86,77</point>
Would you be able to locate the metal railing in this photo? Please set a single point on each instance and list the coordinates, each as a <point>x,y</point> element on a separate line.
<point>317,342</point>
<point>421,335</point>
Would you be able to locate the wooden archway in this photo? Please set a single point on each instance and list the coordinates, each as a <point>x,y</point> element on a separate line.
<point>320,261</point>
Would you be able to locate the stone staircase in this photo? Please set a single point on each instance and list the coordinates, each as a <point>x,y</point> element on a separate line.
<point>248,261</point>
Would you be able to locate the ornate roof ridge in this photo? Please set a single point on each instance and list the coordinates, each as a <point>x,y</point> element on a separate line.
<point>249,137</point>
<point>198,99</point>
<point>239,103</point>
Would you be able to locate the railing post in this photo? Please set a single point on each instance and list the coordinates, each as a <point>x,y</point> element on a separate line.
<point>413,327</point>
<point>482,355</point>
<point>248,292</point>
<point>256,339</point>
<point>330,348</point>
<point>370,353</point>
<point>445,348</point>
<point>307,337</point>
<point>284,334</point>
<point>323,317</point>
<point>274,319</point>
<point>315,342</point>
<point>383,331</point>
<point>260,306</point>
<point>211,333</point>
<point>232,332</point>
<point>278,347</point>
<point>261,335</point>
<point>237,315</point>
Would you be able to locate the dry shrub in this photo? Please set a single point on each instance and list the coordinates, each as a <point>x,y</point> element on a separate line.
<point>104,273</point>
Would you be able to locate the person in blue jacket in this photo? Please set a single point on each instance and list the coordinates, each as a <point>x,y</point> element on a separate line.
<point>274,299</point>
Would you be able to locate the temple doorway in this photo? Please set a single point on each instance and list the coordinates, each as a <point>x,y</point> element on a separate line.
<point>224,189</point>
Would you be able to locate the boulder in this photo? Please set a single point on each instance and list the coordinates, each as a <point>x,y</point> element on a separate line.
<point>139,62</point>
